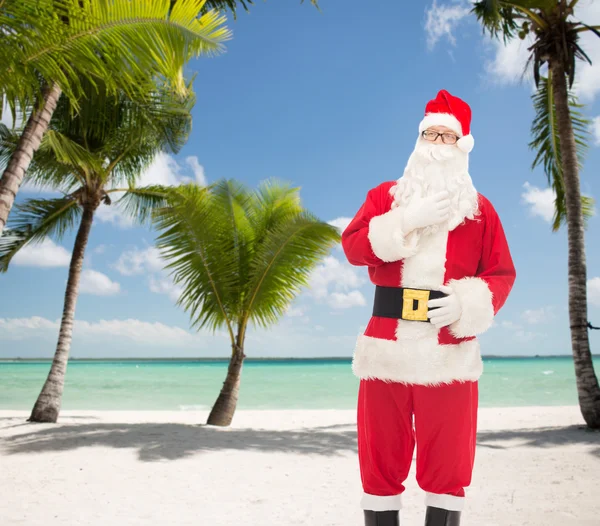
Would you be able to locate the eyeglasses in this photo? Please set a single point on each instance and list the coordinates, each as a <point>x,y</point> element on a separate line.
<point>447,138</point>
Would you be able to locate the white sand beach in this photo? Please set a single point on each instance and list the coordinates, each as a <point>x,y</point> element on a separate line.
<point>535,466</point>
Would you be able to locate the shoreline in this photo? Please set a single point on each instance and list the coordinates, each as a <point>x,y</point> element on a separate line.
<point>534,465</point>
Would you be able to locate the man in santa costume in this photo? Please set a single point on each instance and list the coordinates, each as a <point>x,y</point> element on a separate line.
<point>438,257</point>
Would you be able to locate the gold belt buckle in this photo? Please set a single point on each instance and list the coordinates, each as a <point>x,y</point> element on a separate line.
<point>409,297</point>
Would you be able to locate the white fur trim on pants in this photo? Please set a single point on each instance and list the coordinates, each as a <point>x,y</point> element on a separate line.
<point>422,362</point>
<point>381,503</point>
<point>445,502</point>
<point>388,241</point>
<point>477,309</point>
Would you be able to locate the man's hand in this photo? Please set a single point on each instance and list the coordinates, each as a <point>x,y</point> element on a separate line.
<point>426,211</point>
<point>449,309</point>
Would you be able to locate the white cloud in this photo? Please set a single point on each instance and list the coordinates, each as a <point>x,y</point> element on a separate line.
<point>541,201</point>
<point>146,333</point>
<point>134,262</point>
<point>294,312</point>
<point>6,114</point>
<point>340,223</point>
<point>593,286</point>
<point>505,64</point>
<point>100,249</point>
<point>596,130</point>
<point>197,168</point>
<point>164,170</point>
<point>339,300</point>
<point>518,332</point>
<point>148,261</point>
<point>509,61</point>
<point>442,20</point>
<point>139,331</point>
<point>342,278</point>
<point>93,282</point>
<point>165,285</point>
<point>526,336</point>
<point>43,254</point>
<point>588,77</point>
<point>22,328</point>
<point>332,272</point>
<point>537,316</point>
<point>112,214</point>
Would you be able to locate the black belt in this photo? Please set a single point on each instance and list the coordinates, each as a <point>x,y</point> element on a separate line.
<point>403,303</point>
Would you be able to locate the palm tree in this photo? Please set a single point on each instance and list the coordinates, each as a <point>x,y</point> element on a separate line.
<point>51,47</point>
<point>89,156</point>
<point>239,256</point>
<point>558,137</point>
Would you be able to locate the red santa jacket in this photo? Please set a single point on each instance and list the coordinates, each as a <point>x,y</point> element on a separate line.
<point>473,259</point>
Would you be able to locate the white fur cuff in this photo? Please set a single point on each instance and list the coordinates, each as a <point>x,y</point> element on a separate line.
<point>477,309</point>
<point>388,241</point>
<point>445,502</point>
<point>381,503</point>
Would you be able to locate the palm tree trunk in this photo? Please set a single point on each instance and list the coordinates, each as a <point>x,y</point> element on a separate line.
<point>224,408</point>
<point>587,383</point>
<point>47,406</point>
<point>29,142</point>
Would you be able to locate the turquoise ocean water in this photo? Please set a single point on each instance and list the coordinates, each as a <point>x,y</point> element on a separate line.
<point>293,384</point>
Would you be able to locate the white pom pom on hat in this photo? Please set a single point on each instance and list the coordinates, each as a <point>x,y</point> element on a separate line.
<point>466,143</point>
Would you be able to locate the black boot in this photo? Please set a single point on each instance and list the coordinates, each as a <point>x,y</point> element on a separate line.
<point>381,518</point>
<point>440,517</point>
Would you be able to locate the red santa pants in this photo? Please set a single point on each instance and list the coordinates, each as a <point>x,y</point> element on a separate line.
<point>445,427</point>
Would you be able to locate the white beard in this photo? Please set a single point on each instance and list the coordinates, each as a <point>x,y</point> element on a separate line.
<point>432,168</point>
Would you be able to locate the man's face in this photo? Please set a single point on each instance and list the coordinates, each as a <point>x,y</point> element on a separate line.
<point>440,135</point>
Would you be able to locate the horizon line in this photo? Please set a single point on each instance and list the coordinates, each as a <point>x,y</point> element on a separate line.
<point>259,358</point>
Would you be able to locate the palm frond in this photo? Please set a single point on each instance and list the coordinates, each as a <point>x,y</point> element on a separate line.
<point>240,255</point>
<point>142,202</point>
<point>545,142</point>
<point>66,150</point>
<point>190,239</point>
<point>231,5</point>
<point>33,221</point>
<point>281,265</point>
<point>273,202</point>
<point>45,169</point>
<point>232,202</point>
<point>109,141</point>
<point>496,19</point>
<point>120,42</point>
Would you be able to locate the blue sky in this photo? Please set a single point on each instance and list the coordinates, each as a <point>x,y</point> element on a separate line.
<point>329,101</point>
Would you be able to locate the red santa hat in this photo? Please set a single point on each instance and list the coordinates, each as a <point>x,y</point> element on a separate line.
<point>452,112</point>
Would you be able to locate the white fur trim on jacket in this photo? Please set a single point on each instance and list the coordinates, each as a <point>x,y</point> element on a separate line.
<point>388,241</point>
<point>441,119</point>
<point>423,362</point>
<point>381,502</point>
<point>445,502</point>
<point>477,309</point>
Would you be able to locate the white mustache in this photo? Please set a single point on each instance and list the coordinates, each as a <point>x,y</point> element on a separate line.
<point>436,152</point>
